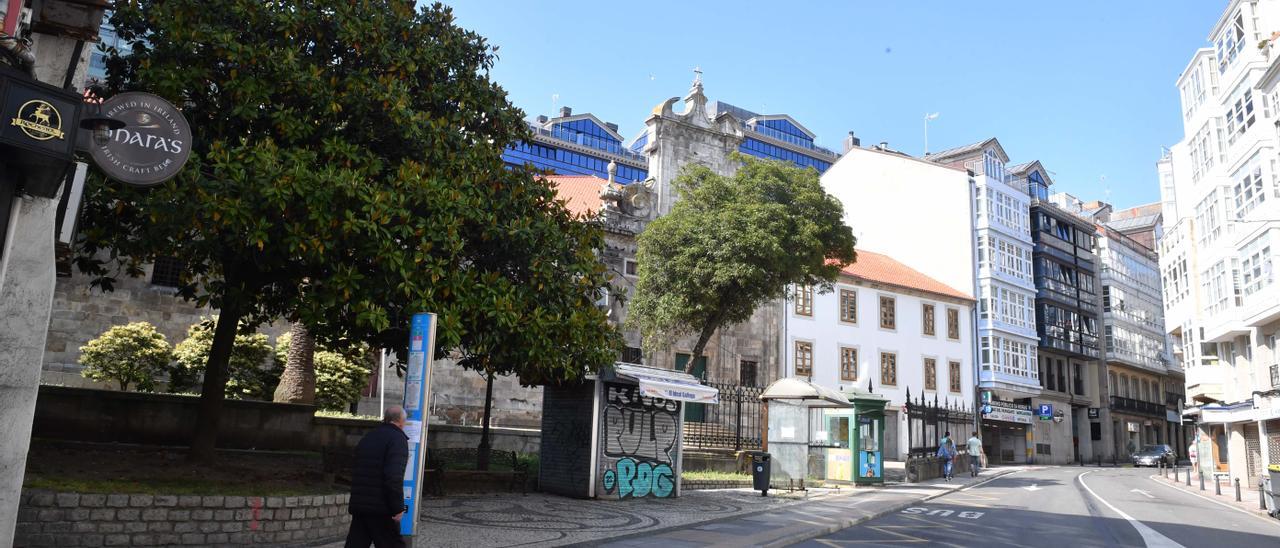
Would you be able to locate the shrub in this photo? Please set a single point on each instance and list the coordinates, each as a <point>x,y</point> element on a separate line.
<point>130,354</point>
<point>340,376</point>
<point>250,374</point>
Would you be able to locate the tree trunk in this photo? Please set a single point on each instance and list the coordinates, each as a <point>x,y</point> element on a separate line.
<point>482,452</point>
<point>213,391</point>
<point>703,338</point>
<point>298,381</point>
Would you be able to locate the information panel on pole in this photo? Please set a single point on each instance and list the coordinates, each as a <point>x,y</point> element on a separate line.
<point>417,396</point>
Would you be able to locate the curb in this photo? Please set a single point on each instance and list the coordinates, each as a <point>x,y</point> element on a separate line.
<point>806,535</point>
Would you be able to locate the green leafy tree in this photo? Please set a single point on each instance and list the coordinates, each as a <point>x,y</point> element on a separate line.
<point>251,374</point>
<point>130,354</point>
<point>345,173</point>
<point>731,244</point>
<point>340,376</point>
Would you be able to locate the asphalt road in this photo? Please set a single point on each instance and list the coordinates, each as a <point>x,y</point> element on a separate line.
<point>1068,507</point>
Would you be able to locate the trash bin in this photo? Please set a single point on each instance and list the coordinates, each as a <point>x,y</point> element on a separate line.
<point>761,470</point>
<point>1271,490</point>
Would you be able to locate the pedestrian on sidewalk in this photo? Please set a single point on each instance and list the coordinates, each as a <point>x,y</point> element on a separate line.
<point>1192,454</point>
<point>947,451</point>
<point>975,454</point>
<point>377,479</point>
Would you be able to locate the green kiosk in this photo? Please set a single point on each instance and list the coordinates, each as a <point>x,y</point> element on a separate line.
<point>868,441</point>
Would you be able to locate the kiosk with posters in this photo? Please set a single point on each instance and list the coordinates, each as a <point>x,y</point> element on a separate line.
<point>868,441</point>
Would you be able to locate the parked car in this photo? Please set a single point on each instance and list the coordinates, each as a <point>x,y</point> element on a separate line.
<point>1153,455</point>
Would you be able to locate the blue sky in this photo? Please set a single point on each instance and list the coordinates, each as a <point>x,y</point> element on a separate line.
<point>1085,86</point>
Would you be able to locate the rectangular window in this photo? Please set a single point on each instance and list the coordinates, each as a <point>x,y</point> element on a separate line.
<point>167,272</point>
<point>630,268</point>
<point>953,376</point>
<point>848,306</point>
<point>888,318</point>
<point>953,324</point>
<point>804,358</point>
<point>930,374</point>
<point>927,319</point>
<point>1231,43</point>
<point>888,369</point>
<point>848,363</point>
<point>1240,115</point>
<point>1249,192</point>
<point>1255,264</point>
<point>804,301</point>
<point>747,370</point>
<point>632,354</point>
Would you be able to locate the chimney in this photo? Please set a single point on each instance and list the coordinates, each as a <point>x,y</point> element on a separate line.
<point>612,126</point>
<point>851,142</point>
<point>566,112</point>
<point>884,145</point>
<point>542,118</point>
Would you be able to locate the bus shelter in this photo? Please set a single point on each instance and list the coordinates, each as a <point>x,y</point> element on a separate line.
<point>805,438</point>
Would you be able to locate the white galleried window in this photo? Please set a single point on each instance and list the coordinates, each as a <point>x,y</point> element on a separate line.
<point>1201,149</point>
<point>1248,187</point>
<point>1255,265</point>
<point>1193,92</point>
<point>1008,356</point>
<point>1003,208</point>
<point>1011,259</point>
<point>1217,287</point>
<point>992,166</point>
<point>1208,222</point>
<point>1176,284</point>
<point>1232,42</point>
<point>1240,115</point>
<point>1007,306</point>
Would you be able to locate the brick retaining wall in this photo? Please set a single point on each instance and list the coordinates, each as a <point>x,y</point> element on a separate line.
<point>47,518</point>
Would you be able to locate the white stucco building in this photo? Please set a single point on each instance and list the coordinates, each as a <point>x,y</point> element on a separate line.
<point>889,325</point>
<point>1221,200</point>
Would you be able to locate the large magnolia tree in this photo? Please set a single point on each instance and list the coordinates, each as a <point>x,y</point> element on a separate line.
<point>346,172</point>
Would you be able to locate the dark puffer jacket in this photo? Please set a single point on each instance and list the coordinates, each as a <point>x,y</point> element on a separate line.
<point>377,479</point>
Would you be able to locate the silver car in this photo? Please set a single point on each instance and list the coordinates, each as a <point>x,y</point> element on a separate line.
<point>1153,455</point>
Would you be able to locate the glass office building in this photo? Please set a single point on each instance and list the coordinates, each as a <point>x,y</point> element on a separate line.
<point>777,137</point>
<point>578,145</point>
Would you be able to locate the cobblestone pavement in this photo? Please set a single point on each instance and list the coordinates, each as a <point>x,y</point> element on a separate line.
<point>538,520</point>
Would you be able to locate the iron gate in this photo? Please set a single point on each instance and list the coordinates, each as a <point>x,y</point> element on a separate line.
<point>736,423</point>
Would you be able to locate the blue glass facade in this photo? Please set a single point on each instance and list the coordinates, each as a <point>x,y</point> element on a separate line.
<point>543,152</point>
<point>777,129</point>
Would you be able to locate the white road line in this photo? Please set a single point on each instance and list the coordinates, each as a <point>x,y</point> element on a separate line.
<point>1218,502</point>
<point>1151,537</point>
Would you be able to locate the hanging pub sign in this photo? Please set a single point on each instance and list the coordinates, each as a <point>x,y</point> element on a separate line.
<point>37,132</point>
<point>151,147</point>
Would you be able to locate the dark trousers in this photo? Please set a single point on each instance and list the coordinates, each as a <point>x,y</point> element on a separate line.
<point>381,531</point>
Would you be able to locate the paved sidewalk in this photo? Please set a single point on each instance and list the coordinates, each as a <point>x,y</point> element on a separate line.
<point>726,517</point>
<point>1248,496</point>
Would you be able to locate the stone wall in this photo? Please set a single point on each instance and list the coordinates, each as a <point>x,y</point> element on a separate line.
<point>81,313</point>
<point>47,518</point>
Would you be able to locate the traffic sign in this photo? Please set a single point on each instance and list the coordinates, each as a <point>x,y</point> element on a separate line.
<point>1045,411</point>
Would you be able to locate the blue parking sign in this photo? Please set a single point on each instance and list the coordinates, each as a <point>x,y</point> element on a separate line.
<point>1046,410</point>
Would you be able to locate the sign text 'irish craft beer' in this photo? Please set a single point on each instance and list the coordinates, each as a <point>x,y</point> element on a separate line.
<point>151,147</point>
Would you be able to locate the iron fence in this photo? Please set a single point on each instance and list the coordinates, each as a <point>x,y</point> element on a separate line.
<point>928,421</point>
<point>736,423</point>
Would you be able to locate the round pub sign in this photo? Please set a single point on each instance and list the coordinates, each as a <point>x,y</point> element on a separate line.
<point>151,147</point>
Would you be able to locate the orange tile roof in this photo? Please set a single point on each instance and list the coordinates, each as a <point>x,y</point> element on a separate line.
<point>875,267</point>
<point>581,191</point>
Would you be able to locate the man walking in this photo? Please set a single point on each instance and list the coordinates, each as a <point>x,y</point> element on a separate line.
<point>377,479</point>
<point>947,451</point>
<point>974,445</point>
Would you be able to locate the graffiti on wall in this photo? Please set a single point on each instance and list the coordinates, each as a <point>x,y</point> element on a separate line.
<point>640,443</point>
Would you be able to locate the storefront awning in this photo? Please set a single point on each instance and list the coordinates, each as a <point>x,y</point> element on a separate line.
<point>667,384</point>
<point>801,392</point>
